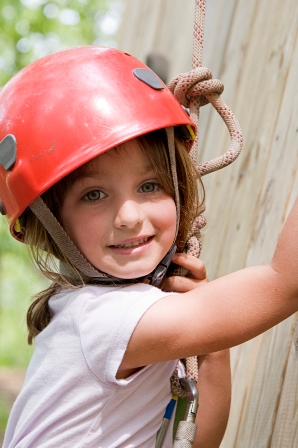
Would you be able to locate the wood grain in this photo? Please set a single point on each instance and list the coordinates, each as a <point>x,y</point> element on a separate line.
<point>252,47</point>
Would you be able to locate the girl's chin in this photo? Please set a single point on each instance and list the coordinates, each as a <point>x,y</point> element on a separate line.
<point>132,274</point>
<point>129,276</point>
<point>129,270</point>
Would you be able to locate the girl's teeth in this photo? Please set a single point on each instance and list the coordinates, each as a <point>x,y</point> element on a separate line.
<point>136,243</point>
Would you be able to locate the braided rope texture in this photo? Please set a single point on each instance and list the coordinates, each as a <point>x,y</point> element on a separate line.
<point>197,60</point>
<point>193,90</point>
<point>198,85</point>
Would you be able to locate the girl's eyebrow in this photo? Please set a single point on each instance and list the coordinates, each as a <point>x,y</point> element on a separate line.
<point>146,170</point>
<point>93,173</point>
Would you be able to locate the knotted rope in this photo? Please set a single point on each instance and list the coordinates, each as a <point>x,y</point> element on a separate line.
<point>193,90</point>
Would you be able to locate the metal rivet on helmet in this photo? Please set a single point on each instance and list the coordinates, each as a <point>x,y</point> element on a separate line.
<point>149,78</point>
<point>8,150</point>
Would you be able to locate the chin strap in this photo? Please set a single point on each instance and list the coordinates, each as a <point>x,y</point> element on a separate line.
<point>161,270</point>
<point>58,234</point>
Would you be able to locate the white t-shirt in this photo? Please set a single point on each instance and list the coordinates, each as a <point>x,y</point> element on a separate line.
<point>71,397</point>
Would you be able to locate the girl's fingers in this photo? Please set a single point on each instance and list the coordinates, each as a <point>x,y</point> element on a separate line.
<point>194,265</point>
<point>181,284</point>
<point>195,278</point>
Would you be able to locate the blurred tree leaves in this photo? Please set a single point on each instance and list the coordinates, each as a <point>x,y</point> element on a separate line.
<point>30,29</point>
<point>19,280</point>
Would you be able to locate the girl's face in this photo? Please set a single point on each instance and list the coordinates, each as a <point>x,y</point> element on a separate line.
<point>118,215</point>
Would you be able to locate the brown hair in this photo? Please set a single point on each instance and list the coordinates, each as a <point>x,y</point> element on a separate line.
<point>46,254</point>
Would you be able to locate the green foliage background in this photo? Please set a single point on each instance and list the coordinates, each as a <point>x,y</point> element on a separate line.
<point>19,280</point>
<point>30,29</point>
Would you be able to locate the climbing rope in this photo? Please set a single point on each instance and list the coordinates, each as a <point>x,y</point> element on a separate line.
<point>193,90</point>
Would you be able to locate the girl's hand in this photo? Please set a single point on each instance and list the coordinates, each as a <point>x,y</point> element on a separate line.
<point>196,276</point>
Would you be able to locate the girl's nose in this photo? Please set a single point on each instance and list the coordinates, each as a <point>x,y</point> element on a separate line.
<point>129,214</point>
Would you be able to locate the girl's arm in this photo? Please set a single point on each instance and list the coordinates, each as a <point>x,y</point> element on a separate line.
<point>214,386</point>
<point>214,382</point>
<point>221,313</point>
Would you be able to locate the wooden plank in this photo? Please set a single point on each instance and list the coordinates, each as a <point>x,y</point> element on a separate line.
<point>257,418</point>
<point>252,47</point>
<point>260,116</point>
<point>274,200</point>
<point>158,26</point>
<point>243,362</point>
<point>250,434</point>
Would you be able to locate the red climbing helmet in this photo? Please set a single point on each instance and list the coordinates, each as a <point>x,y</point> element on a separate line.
<point>67,108</point>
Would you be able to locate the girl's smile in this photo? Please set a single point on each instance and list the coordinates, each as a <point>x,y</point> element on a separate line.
<point>118,214</point>
<point>132,246</point>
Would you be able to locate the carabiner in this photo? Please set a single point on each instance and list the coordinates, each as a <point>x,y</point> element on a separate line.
<point>187,428</point>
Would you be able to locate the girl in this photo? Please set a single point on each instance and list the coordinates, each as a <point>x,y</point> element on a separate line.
<point>96,179</point>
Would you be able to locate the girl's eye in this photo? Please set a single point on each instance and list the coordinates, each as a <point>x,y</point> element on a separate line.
<point>94,195</point>
<point>150,187</point>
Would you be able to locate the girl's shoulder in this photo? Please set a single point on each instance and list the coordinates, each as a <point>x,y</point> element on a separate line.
<point>92,314</point>
<point>97,290</point>
<point>119,298</point>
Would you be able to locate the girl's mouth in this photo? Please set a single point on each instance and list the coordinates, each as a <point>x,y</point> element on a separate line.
<point>132,244</point>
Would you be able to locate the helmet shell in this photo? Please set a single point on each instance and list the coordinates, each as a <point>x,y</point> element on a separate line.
<point>70,107</point>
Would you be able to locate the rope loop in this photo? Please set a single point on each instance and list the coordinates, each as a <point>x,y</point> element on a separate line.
<point>235,134</point>
<point>196,88</point>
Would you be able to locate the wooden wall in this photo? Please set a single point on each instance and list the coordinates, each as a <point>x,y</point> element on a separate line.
<point>252,47</point>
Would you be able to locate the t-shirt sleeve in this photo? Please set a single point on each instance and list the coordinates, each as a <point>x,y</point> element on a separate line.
<point>107,322</point>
